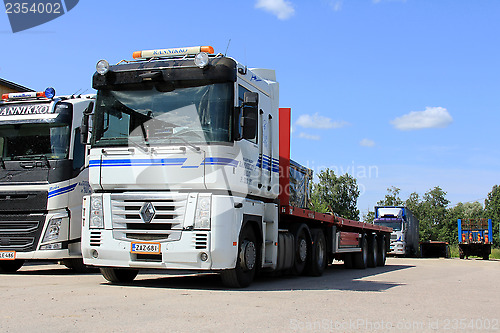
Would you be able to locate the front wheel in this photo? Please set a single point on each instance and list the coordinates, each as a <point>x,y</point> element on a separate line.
<point>119,275</point>
<point>77,265</point>
<point>11,266</point>
<point>243,273</point>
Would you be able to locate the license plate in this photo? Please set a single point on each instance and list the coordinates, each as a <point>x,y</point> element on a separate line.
<point>7,255</point>
<point>145,248</point>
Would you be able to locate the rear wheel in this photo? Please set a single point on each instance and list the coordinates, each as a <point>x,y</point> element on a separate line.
<point>246,265</point>
<point>318,259</point>
<point>11,266</point>
<point>119,275</point>
<point>372,252</point>
<point>382,252</point>
<point>360,259</point>
<point>302,249</point>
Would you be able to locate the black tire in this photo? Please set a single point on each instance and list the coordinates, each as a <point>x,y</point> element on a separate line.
<point>348,260</point>
<point>77,265</point>
<point>302,246</point>
<point>382,252</point>
<point>11,266</point>
<point>318,260</point>
<point>246,264</point>
<point>372,252</point>
<point>119,275</point>
<point>360,259</point>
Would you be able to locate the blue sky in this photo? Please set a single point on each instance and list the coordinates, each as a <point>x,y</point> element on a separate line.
<point>397,93</point>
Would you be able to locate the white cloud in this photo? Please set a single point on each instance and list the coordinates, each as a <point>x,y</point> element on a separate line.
<point>317,121</point>
<point>281,8</point>
<point>336,5</point>
<point>303,135</point>
<point>432,117</point>
<point>367,143</point>
<point>379,1</point>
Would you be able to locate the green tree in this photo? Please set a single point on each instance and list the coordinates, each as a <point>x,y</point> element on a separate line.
<point>334,194</point>
<point>391,198</point>
<point>492,211</point>
<point>369,217</point>
<point>433,215</point>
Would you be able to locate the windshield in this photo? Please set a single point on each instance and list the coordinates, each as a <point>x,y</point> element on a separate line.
<point>395,225</point>
<point>189,114</point>
<point>42,140</point>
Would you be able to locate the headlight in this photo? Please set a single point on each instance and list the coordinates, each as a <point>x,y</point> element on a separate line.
<point>102,67</point>
<point>201,59</point>
<point>96,213</point>
<point>53,229</point>
<point>202,217</point>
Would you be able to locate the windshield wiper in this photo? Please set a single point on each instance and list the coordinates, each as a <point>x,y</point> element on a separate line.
<point>3,162</point>
<point>185,141</point>
<point>30,157</point>
<point>144,149</point>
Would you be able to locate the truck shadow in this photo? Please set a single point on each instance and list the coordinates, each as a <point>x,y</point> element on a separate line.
<point>335,277</point>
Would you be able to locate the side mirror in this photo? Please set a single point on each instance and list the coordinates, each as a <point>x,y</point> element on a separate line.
<point>84,128</point>
<point>248,120</point>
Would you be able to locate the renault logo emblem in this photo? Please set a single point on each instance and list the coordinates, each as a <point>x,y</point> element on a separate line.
<point>147,212</point>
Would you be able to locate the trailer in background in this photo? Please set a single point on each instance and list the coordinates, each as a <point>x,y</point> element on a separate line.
<point>475,238</point>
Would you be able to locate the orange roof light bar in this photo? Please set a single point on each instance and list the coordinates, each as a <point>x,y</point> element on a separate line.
<point>165,53</point>
<point>48,93</point>
<point>23,95</point>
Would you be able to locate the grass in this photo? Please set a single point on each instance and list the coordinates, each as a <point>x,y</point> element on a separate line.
<point>495,253</point>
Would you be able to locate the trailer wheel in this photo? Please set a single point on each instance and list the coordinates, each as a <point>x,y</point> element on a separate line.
<point>119,275</point>
<point>246,264</point>
<point>382,252</point>
<point>318,259</point>
<point>78,266</point>
<point>11,266</point>
<point>372,252</point>
<point>360,259</point>
<point>302,249</point>
<point>348,260</point>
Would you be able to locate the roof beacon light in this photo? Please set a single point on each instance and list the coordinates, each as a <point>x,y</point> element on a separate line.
<point>165,53</point>
<point>48,93</point>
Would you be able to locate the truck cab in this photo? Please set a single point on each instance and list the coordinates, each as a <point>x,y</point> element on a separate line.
<point>43,177</point>
<point>404,236</point>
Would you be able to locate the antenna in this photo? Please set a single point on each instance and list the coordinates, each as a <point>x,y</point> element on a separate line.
<point>83,92</point>
<point>229,42</point>
<point>76,92</point>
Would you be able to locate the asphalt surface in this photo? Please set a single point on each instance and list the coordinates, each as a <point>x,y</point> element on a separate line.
<point>407,295</point>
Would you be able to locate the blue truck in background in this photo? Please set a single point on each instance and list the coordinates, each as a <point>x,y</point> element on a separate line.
<point>405,229</point>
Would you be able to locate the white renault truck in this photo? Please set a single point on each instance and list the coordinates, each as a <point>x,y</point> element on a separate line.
<point>190,168</point>
<point>43,178</point>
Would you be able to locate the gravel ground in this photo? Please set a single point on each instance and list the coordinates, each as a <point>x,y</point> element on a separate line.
<point>407,295</point>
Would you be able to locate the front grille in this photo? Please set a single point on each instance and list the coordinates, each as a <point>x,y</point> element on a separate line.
<point>146,217</point>
<point>200,241</point>
<point>20,232</point>
<point>95,238</point>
